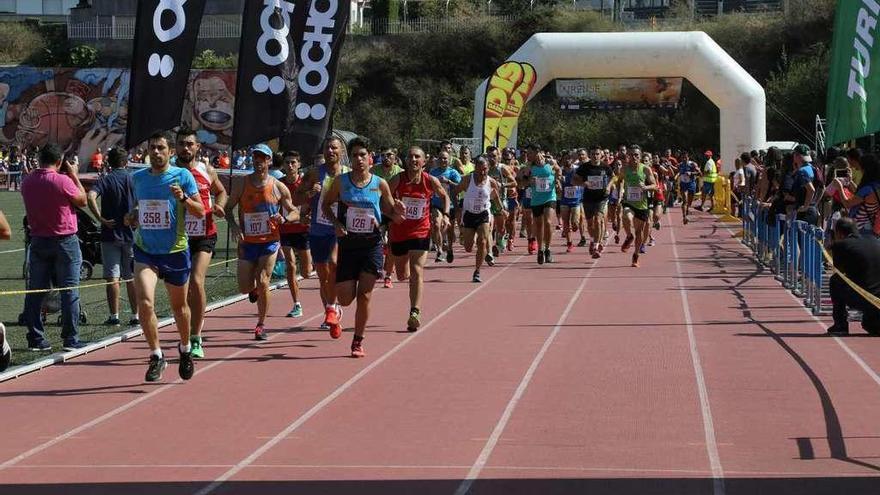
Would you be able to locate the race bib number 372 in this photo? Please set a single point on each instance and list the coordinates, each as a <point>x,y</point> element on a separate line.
<point>154,214</point>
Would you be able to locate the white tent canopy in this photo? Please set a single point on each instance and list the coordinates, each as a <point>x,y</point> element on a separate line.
<point>692,55</point>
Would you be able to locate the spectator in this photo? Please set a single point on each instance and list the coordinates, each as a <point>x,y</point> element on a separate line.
<point>806,184</point>
<point>51,194</point>
<point>857,257</point>
<point>710,175</point>
<point>863,205</point>
<point>98,161</point>
<point>5,348</point>
<point>750,171</point>
<point>277,162</point>
<point>117,198</point>
<point>223,161</point>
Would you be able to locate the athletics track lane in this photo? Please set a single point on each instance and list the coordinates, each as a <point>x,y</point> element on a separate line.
<point>612,405</point>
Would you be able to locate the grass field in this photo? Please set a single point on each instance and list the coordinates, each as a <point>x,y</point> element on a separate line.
<point>221,284</point>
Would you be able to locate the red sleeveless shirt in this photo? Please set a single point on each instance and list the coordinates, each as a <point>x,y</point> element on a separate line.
<point>417,200</point>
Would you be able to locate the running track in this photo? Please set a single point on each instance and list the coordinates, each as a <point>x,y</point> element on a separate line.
<point>696,374</point>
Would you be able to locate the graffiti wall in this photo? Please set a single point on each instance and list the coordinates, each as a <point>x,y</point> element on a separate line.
<point>85,109</point>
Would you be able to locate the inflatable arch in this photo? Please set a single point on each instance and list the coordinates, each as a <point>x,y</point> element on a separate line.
<point>692,55</point>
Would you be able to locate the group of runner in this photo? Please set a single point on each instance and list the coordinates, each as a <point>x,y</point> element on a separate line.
<point>359,224</point>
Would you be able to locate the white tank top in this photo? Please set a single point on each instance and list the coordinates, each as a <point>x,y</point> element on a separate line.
<point>477,198</point>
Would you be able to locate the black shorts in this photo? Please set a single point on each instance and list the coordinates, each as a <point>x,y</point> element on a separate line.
<point>639,214</point>
<point>297,240</point>
<point>538,210</point>
<point>202,244</point>
<point>351,263</point>
<point>402,248</point>
<point>473,220</point>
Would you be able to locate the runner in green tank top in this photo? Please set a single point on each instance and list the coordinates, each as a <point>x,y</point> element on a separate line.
<point>637,181</point>
<point>544,181</point>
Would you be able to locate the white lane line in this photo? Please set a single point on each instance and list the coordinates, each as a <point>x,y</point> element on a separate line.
<point>249,460</point>
<point>12,251</point>
<point>483,458</point>
<point>128,405</point>
<point>705,409</point>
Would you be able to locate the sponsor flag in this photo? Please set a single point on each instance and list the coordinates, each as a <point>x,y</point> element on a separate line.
<point>502,84</point>
<point>515,104</point>
<point>267,63</point>
<point>164,44</point>
<point>853,104</point>
<point>318,47</point>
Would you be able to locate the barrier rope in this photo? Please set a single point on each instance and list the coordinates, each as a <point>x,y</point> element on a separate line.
<point>871,298</point>
<point>87,286</point>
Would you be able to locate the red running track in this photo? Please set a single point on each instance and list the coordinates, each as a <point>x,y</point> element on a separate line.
<point>695,374</point>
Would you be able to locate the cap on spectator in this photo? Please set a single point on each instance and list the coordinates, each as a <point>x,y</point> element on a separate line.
<point>708,153</point>
<point>804,151</point>
<point>264,149</point>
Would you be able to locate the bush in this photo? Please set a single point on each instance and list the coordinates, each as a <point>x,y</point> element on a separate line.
<point>83,56</point>
<point>21,43</point>
<point>208,59</point>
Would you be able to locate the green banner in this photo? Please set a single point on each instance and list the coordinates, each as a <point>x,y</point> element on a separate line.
<point>852,85</point>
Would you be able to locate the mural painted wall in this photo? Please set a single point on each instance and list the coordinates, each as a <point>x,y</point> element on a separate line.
<point>84,109</point>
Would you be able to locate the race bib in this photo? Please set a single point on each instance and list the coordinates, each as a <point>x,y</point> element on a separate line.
<point>684,179</point>
<point>195,227</point>
<point>415,208</point>
<point>634,193</point>
<point>359,220</point>
<point>475,205</point>
<point>595,182</point>
<point>154,214</point>
<point>256,223</point>
<point>529,193</point>
<point>322,218</point>
<point>542,184</point>
<point>571,192</point>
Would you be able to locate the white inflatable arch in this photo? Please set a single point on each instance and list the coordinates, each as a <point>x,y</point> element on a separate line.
<point>692,55</point>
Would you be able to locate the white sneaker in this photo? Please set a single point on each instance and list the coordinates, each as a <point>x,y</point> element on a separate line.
<point>5,349</point>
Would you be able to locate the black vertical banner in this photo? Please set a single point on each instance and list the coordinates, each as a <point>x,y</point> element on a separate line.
<point>318,45</point>
<point>267,65</point>
<point>164,44</point>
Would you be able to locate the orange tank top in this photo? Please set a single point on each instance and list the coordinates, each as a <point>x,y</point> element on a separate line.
<point>256,208</point>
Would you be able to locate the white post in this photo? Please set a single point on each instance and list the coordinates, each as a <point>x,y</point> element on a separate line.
<point>97,27</point>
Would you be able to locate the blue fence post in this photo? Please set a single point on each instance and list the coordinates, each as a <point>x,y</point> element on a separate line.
<point>819,270</point>
<point>779,247</point>
<point>809,254</point>
<point>800,260</point>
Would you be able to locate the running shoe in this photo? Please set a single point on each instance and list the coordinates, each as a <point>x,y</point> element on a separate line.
<point>698,208</point>
<point>155,369</point>
<point>592,247</point>
<point>331,314</point>
<point>596,255</point>
<point>616,238</point>
<point>297,310</point>
<point>548,257</point>
<point>477,278</point>
<point>5,350</point>
<point>657,225</point>
<point>533,246</point>
<point>835,330</point>
<point>324,326</point>
<point>186,367</point>
<point>413,323</point>
<point>336,328</point>
<point>439,257</point>
<point>600,248</point>
<point>74,345</point>
<point>449,256</point>
<point>253,296</point>
<point>260,332</point>
<point>627,243</point>
<point>643,249</point>
<point>387,283</point>
<point>652,242</point>
<point>495,251</point>
<point>522,234</point>
<point>510,245</point>
<point>40,346</point>
<point>357,348</point>
<point>133,321</point>
<point>540,257</point>
<point>685,220</point>
<point>490,260</point>
<point>195,345</point>
<point>582,242</point>
<point>635,261</point>
<point>111,321</point>
<point>569,247</point>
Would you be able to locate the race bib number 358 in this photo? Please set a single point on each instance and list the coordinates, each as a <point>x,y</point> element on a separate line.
<point>154,214</point>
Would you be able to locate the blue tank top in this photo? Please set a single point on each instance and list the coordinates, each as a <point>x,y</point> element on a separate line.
<point>571,194</point>
<point>544,187</point>
<point>359,209</point>
<point>322,226</point>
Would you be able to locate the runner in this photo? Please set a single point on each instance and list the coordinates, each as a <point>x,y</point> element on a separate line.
<point>202,232</point>
<point>637,181</point>
<point>596,177</point>
<point>543,184</point>
<point>443,230</point>
<point>508,158</point>
<point>260,199</point>
<point>5,348</point>
<point>386,169</point>
<point>506,178</point>
<point>480,191</point>
<point>570,203</point>
<point>688,172</point>
<point>524,192</point>
<point>411,239</point>
<point>615,208</point>
<point>466,168</point>
<point>362,197</point>
<point>295,235</point>
<point>710,176</point>
<point>164,194</point>
<point>322,234</point>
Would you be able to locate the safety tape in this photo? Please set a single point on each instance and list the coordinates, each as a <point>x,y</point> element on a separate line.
<point>86,286</point>
<point>871,298</point>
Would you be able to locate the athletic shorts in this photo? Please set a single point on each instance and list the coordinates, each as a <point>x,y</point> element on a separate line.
<point>173,268</point>
<point>593,208</point>
<point>474,220</point>
<point>253,252</point>
<point>538,210</point>
<point>688,187</point>
<point>296,240</point>
<point>202,244</point>
<point>402,248</point>
<point>117,259</point>
<point>512,204</point>
<point>321,247</point>
<point>351,263</point>
<point>708,188</point>
<point>637,213</point>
